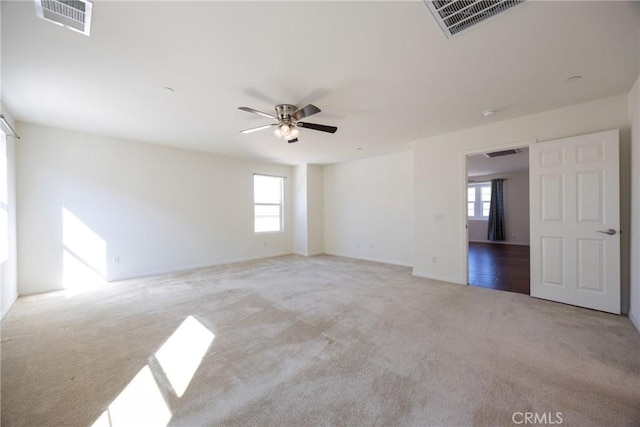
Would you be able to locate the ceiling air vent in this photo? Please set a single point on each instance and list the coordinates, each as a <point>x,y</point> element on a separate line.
<point>455,16</point>
<point>73,14</point>
<point>501,153</point>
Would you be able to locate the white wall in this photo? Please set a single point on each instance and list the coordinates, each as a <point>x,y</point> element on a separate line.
<point>158,209</point>
<point>308,209</point>
<point>516,207</point>
<point>315,209</point>
<point>440,177</point>
<point>634,117</point>
<point>8,263</point>
<point>300,223</point>
<point>368,208</point>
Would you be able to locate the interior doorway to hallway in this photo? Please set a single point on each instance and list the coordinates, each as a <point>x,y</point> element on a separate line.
<point>499,260</point>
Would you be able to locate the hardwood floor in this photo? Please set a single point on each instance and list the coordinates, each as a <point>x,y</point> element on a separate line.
<point>503,267</point>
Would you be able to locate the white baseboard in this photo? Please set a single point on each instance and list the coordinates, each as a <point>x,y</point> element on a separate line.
<point>308,254</point>
<point>182,269</point>
<point>6,310</point>
<point>380,260</point>
<point>438,278</point>
<point>162,272</point>
<point>634,321</point>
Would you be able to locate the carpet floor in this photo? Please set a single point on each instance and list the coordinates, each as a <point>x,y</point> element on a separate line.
<point>313,341</point>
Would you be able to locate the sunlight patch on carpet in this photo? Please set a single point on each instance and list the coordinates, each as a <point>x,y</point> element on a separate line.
<point>139,404</point>
<point>181,354</point>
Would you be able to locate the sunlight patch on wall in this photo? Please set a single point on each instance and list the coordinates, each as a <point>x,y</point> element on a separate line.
<point>84,255</point>
<point>140,404</point>
<point>181,354</point>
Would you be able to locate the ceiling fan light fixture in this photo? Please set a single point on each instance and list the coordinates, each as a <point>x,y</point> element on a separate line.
<point>287,131</point>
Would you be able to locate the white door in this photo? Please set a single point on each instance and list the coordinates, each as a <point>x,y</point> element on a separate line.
<point>575,221</point>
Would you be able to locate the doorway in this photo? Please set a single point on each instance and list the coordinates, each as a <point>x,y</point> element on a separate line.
<point>499,260</point>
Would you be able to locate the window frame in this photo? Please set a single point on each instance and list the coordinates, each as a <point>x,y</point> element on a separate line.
<point>280,205</point>
<point>478,201</point>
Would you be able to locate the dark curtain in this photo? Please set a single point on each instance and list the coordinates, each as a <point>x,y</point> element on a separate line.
<point>495,230</point>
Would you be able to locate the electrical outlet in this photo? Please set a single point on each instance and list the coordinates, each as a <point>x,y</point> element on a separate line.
<point>116,259</point>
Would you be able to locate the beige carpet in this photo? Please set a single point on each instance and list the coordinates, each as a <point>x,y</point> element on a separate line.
<point>313,341</point>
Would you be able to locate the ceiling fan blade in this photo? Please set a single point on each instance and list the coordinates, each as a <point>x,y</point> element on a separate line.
<point>251,110</point>
<point>292,140</point>
<point>322,128</point>
<point>306,112</point>
<point>258,128</point>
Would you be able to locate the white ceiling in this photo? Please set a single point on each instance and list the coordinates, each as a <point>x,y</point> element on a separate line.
<point>383,72</point>
<point>480,165</point>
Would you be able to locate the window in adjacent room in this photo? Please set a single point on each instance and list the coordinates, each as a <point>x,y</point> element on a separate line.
<point>268,206</point>
<point>478,200</point>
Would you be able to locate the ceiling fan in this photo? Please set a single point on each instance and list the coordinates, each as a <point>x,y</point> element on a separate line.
<point>287,117</point>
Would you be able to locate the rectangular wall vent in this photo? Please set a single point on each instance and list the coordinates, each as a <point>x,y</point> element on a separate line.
<point>501,153</point>
<point>455,16</point>
<point>72,14</point>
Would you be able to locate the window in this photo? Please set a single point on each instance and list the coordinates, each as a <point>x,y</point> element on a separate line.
<point>4,200</point>
<point>478,200</point>
<point>267,199</point>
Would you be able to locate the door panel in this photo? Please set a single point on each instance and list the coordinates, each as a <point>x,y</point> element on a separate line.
<point>575,196</point>
<point>552,261</point>
<point>552,197</point>
<point>591,274</point>
<point>590,201</point>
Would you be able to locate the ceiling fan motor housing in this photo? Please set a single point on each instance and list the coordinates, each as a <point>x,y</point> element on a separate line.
<point>285,111</point>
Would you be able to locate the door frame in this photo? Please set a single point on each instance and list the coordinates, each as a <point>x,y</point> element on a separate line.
<point>463,192</point>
